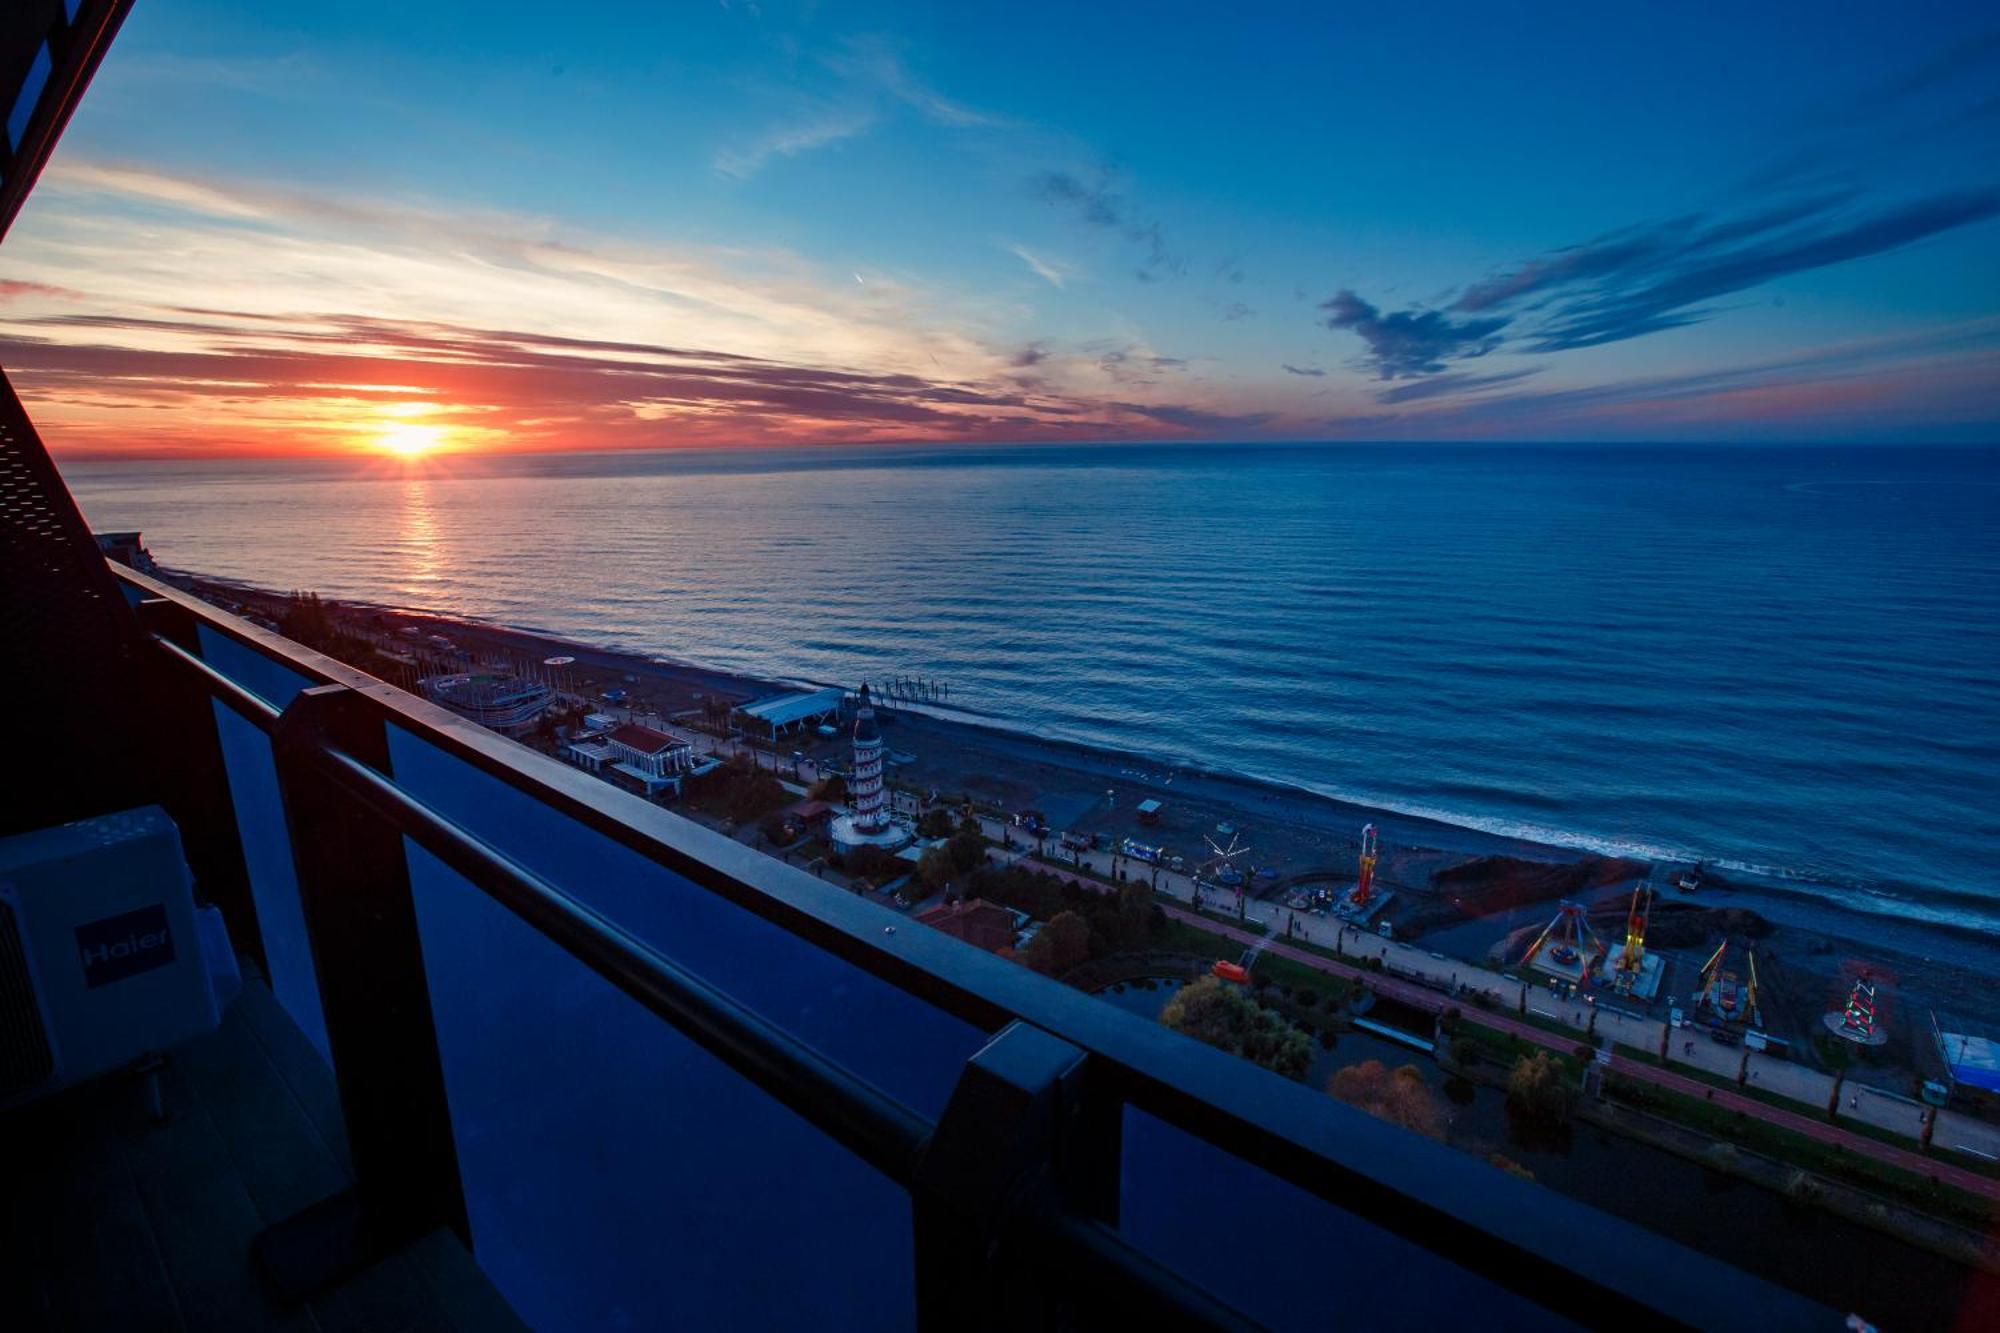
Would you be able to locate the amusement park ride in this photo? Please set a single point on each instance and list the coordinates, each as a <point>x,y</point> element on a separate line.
<point>1636,972</point>
<point>1364,899</point>
<point>1219,872</point>
<point>1859,1021</point>
<point>1724,998</point>
<point>1567,949</point>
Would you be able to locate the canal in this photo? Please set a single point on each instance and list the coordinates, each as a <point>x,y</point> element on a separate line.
<point>1849,1267</point>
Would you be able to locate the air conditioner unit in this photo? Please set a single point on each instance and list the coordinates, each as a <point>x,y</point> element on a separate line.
<point>104,958</point>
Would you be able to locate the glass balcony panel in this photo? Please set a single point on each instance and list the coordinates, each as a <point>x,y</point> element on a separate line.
<point>902,1044</point>
<point>1288,1258</point>
<point>266,677</point>
<point>274,883</point>
<point>618,1176</point>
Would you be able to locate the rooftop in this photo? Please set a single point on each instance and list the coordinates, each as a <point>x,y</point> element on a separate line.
<point>643,738</point>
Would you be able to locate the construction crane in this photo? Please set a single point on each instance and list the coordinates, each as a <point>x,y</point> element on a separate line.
<point>1364,884</point>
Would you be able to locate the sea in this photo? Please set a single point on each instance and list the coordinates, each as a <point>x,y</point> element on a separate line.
<point>1782,660</point>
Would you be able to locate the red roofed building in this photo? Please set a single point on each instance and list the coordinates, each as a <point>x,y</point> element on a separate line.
<point>650,758</point>
<point>642,747</point>
<point>988,926</point>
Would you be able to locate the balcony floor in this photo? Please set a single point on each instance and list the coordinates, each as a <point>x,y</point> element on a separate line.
<point>110,1222</point>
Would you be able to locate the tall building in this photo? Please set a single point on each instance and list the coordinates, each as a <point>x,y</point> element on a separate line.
<point>865,796</point>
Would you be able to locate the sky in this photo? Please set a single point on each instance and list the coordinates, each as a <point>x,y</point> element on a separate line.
<point>386,228</point>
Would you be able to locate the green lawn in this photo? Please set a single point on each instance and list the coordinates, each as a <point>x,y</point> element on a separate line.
<point>1795,1149</point>
<point>1181,937</point>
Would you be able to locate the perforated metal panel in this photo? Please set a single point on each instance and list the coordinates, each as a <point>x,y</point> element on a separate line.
<point>74,741</point>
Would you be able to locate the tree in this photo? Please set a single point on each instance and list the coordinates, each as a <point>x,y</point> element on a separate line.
<point>1060,945</point>
<point>935,868</point>
<point>1539,1087</point>
<point>749,793</point>
<point>777,830</point>
<point>935,824</point>
<point>831,789</point>
<point>1227,1018</point>
<point>1135,916</point>
<point>871,863</point>
<point>1399,1096</point>
<point>967,850</point>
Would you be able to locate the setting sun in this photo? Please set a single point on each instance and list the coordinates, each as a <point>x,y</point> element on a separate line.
<point>410,439</point>
<point>404,434</point>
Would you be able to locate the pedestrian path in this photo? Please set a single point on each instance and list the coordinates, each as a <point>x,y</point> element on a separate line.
<point>1426,976</point>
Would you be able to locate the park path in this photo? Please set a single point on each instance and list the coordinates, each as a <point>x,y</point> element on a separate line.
<point>1809,1087</point>
<point>1507,990</point>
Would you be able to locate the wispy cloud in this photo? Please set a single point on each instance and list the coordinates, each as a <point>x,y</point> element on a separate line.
<point>872,82</point>
<point>366,305</point>
<point>1051,271</point>
<point>1644,279</point>
<point>830,126</point>
<point>14,289</point>
<point>1410,342</point>
<point>1457,382</point>
<point>1098,204</point>
<point>1313,372</point>
<point>1928,382</point>
<point>1662,277</point>
<point>876,62</point>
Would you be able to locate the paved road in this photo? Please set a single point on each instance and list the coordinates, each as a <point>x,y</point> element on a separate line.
<point>1807,1086</point>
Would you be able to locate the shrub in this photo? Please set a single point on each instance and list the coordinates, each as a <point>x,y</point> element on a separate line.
<point>1399,1096</point>
<point>1225,1017</point>
<point>1059,946</point>
<point>871,863</point>
<point>1539,1087</point>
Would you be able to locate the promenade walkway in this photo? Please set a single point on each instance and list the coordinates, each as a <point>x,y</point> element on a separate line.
<point>1406,968</point>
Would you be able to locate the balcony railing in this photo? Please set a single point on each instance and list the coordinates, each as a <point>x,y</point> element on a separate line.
<point>653,1077</point>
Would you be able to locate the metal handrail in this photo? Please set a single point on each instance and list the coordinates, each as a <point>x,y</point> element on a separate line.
<point>1588,1273</point>
<point>879,1129</point>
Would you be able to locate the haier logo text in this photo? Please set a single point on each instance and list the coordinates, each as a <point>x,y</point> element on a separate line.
<point>125,945</point>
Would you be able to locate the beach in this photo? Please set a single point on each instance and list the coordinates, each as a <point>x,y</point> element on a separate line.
<point>1807,945</point>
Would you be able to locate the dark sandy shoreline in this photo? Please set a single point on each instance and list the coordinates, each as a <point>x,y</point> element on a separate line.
<point>1289,828</point>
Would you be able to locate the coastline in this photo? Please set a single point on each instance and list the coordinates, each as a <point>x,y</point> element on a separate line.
<point>1292,827</point>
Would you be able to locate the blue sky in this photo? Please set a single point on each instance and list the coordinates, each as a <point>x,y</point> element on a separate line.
<point>481,226</point>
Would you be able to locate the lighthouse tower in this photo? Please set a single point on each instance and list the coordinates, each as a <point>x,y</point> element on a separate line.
<point>865,798</point>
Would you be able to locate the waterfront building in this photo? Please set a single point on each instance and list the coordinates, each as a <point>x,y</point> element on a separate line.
<point>505,703</point>
<point>984,925</point>
<point>782,714</point>
<point>653,760</point>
